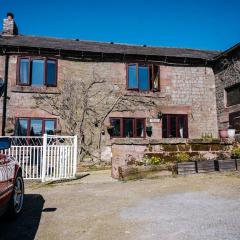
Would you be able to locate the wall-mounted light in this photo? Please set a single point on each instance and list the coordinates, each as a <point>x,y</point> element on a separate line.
<point>159,115</point>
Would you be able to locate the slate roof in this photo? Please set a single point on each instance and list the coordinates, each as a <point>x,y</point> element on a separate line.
<point>103,47</point>
<point>229,51</point>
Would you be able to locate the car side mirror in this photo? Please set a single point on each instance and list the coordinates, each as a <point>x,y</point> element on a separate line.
<point>5,143</point>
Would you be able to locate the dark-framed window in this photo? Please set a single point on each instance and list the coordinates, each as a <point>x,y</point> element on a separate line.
<point>175,126</point>
<point>143,77</point>
<point>234,121</point>
<point>233,95</point>
<point>37,71</point>
<point>128,127</point>
<point>34,126</point>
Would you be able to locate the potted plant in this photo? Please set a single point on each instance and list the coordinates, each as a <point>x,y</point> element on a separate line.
<point>235,154</point>
<point>231,132</point>
<point>203,164</point>
<point>9,131</point>
<point>110,129</point>
<point>184,165</point>
<point>224,163</point>
<point>223,133</point>
<point>149,131</point>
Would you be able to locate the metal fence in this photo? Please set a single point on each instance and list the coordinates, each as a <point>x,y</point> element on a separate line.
<point>45,158</point>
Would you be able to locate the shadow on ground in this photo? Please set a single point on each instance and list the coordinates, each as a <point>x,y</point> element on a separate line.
<point>25,226</point>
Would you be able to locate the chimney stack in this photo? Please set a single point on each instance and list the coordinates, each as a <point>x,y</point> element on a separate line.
<point>9,26</point>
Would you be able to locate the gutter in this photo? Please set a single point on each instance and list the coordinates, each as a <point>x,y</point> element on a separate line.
<point>4,113</point>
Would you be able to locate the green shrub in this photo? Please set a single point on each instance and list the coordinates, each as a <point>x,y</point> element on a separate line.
<point>153,160</point>
<point>236,152</point>
<point>182,157</point>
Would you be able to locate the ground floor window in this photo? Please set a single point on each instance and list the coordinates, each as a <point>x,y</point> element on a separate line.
<point>128,127</point>
<point>175,126</point>
<point>234,121</point>
<point>34,126</point>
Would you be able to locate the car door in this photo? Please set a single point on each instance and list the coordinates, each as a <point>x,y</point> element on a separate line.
<point>4,185</point>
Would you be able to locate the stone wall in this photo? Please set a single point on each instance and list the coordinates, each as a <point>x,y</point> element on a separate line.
<point>184,90</point>
<point>124,154</point>
<point>221,84</point>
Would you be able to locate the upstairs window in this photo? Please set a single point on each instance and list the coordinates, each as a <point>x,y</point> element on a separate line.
<point>143,77</point>
<point>37,71</point>
<point>34,126</point>
<point>174,126</point>
<point>128,127</point>
<point>233,95</point>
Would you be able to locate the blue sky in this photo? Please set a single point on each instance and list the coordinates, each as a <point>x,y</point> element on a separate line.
<point>203,24</point>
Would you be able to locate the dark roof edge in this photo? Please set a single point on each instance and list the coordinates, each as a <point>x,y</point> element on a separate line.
<point>228,51</point>
<point>127,49</point>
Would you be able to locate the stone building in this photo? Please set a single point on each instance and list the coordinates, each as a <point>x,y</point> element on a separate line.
<point>227,75</point>
<point>181,81</point>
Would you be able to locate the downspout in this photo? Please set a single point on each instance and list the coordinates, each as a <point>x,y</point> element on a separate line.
<point>4,113</point>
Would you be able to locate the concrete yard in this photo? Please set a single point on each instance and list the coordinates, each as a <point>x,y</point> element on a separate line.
<point>98,207</point>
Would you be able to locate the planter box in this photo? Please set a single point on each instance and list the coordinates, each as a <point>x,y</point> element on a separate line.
<point>225,165</point>
<point>186,168</point>
<point>205,166</point>
<point>138,172</point>
<point>237,164</point>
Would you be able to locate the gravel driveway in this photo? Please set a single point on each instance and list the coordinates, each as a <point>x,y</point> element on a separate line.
<point>98,207</point>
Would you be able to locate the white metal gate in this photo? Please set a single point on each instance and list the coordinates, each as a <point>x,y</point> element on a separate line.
<point>45,158</point>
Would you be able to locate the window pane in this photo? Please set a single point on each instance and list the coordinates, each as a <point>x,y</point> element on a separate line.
<point>38,72</point>
<point>174,126</point>
<point>128,127</point>
<point>236,124</point>
<point>143,78</point>
<point>140,127</point>
<point>49,126</point>
<point>116,127</point>
<point>164,126</point>
<point>132,76</point>
<point>180,127</point>
<point>36,127</point>
<point>233,95</point>
<point>51,72</point>
<point>173,130</point>
<point>155,78</point>
<point>21,127</point>
<point>24,70</point>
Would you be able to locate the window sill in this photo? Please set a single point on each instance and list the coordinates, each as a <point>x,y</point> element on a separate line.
<point>130,92</point>
<point>30,89</point>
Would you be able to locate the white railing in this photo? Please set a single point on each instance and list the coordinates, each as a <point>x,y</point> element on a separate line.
<point>46,158</point>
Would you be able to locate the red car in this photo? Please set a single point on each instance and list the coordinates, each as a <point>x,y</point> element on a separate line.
<point>11,183</point>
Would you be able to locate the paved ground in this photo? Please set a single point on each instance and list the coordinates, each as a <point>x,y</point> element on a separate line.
<point>97,207</point>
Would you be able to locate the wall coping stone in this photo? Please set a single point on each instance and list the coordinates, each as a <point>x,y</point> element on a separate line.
<point>140,141</point>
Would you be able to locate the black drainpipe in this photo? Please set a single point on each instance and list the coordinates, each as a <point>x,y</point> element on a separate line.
<point>4,113</point>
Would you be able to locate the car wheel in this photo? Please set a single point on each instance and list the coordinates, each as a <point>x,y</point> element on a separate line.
<point>16,201</point>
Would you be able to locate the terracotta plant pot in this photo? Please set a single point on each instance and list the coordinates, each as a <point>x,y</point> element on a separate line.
<point>223,133</point>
